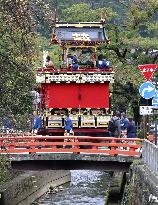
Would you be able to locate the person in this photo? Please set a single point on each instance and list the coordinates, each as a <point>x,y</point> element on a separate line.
<point>37,123</point>
<point>70,59</point>
<point>36,99</point>
<point>131,128</point>
<point>49,63</point>
<point>99,62</point>
<point>114,126</point>
<point>75,65</point>
<point>6,123</point>
<point>68,125</point>
<point>103,63</point>
<point>68,131</point>
<point>106,64</point>
<point>90,63</point>
<point>124,124</point>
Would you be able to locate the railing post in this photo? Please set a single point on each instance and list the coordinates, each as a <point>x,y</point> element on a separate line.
<point>112,148</point>
<point>150,156</point>
<point>75,140</point>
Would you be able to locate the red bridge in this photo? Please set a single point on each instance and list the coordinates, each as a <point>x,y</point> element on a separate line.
<point>70,152</point>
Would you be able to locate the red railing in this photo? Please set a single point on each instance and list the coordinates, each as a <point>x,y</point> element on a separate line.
<point>81,69</point>
<point>72,144</point>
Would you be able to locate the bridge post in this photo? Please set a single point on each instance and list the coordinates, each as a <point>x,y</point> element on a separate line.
<point>12,146</point>
<point>112,153</point>
<point>33,148</point>
<point>132,149</point>
<point>76,141</point>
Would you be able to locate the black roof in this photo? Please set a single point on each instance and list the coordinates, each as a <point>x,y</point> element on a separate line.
<point>80,32</point>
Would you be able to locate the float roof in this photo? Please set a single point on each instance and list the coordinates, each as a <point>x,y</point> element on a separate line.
<point>89,33</point>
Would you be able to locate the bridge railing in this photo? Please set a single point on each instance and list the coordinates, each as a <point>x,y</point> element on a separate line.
<point>150,156</point>
<point>71,144</point>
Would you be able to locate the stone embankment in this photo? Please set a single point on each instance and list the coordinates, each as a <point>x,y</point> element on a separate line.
<point>142,187</point>
<point>29,186</point>
<point>115,188</point>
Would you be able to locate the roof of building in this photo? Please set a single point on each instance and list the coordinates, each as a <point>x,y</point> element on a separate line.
<point>89,33</point>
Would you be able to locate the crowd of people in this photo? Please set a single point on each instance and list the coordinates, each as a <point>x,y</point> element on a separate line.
<point>119,126</point>
<point>101,63</point>
<point>122,126</point>
<point>37,124</point>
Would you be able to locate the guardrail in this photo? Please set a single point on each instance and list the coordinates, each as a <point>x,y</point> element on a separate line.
<point>72,144</point>
<point>81,69</point>
<point>150,156</point>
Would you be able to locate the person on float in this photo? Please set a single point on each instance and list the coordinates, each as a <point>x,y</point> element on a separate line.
<point>106,64</point>
<point>75,65</point>
<point>49,63</point>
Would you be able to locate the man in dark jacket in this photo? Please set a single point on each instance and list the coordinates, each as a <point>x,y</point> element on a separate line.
<point>131,129</point>
<point>114,125</point>
<point>75,65</point>
<point>124,121</point>
<point>124,124</point>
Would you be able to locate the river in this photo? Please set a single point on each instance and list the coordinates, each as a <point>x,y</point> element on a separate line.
<point>86,188</point>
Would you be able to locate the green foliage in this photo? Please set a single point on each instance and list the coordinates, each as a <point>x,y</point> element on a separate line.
<point>18,47</point>
<point>132,42</point>
<point>84,13</point>
<point>6,173</point>
<point>140,134</point>
<point>4,169</point>
<point>136,162</point>
<point>26,28</point>
<point>54,51</point>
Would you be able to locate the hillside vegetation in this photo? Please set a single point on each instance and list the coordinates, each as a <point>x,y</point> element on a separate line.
<point>26,28</point>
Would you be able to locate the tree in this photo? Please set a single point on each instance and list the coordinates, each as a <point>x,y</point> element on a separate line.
<point>84,12</point>
<point>130,45</point>
<point>133,45</point>
<point>133,41</point>
<point>18,25</point>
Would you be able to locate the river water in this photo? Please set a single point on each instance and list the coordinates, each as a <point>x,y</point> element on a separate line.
<point>86,188</point>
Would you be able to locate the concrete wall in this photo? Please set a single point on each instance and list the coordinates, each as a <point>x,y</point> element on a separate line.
<point>143,186</point>
<point>116,187</point>
<point>26,188</point>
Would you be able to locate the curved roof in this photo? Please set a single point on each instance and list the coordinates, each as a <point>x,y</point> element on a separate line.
<point>83,32</point>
